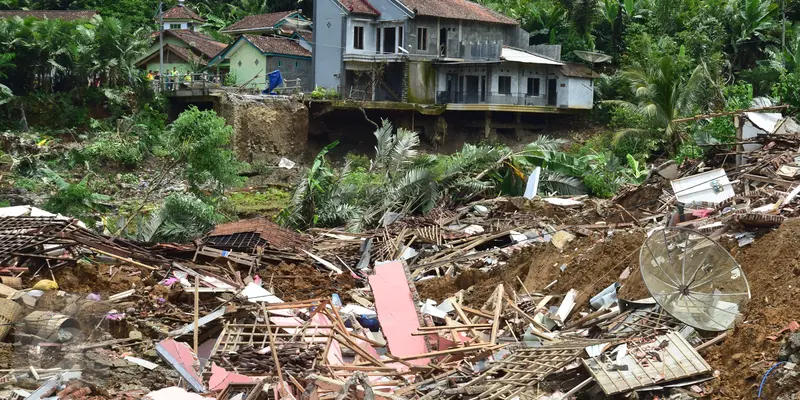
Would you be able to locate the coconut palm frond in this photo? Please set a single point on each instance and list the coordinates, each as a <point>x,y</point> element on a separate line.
<point>553,182</point>
<point>404,148</point>
<point>384,145</point>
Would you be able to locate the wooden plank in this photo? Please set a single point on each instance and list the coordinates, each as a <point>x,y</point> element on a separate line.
<point>498,308</point>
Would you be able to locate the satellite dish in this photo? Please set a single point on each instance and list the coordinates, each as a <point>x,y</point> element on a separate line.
<point>693,278</point>
<point>592,56</point>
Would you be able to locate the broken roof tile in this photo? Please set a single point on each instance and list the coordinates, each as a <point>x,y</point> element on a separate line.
<point>273,233</point>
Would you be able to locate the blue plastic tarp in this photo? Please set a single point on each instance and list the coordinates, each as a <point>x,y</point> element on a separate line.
<point>274,79</point>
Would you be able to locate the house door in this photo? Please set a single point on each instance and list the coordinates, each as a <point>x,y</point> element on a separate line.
<point>552,88</point>
<point>452,88</point>
<point>472,89</point>
<point>389,45</point>
<point>443,42</point>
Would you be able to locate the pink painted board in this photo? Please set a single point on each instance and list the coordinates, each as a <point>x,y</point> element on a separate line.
<point>221,378</point>
<point>397,312</point>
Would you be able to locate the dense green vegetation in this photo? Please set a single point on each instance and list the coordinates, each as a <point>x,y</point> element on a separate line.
<point>142,13</point>
<point>92,140</point>
<point>672,59</point>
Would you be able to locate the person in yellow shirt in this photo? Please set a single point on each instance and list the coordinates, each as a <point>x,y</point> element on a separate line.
<point>150,76</point>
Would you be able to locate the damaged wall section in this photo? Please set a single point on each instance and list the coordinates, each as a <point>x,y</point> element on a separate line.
<point>265,128</point>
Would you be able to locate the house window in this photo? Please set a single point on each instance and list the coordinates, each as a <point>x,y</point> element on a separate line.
<point>378,40</point>
<point>358,37</point>
<point>422,39</point>
<point>280,64</point>
<point>174,26</point>
<point>504,85</point>
<point>533,86</point>
<point>399,36</point>
<point>297,64</point>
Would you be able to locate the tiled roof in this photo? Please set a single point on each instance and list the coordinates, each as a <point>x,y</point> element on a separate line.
<point>362,7</point>
<point>182,12</point>
<point>182,52</point>
<point>64,15</point>
<point>308,36</point>
<point>261,21</point>
<point>196,40</point>
<point>187,54</point>
<point>278,45</point>
<point>273,233</point>
<point>578,71</point>
<point>458,9</point>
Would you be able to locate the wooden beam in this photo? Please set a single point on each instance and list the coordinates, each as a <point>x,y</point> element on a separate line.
<point>498,308</point>
<point>730,113</point>
<point>779,182</point>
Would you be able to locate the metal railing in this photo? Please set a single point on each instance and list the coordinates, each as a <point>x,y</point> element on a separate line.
<point>523,99</point>
<point>187,81</point>
<point>204,81</point>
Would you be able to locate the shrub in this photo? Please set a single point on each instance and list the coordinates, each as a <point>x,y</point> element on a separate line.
<point>788,91</point>
<point>181,218</point>
<point>116,149</point>
<point>357,161</point>
<point>320,93</point>
<point>73,199</point>
<point>230,79</point>
<point>198,140</point>
<point>28,184</point>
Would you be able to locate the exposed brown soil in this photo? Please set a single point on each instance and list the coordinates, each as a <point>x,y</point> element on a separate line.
<point>441,288</point>
<point>99,278</point>
<point>305,282</point>
<point>591,266</point>
<point>772,267</point>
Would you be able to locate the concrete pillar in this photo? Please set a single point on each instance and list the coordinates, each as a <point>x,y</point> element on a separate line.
<point>487,124</point>
<point>373,78</point>
<point>518,127</point>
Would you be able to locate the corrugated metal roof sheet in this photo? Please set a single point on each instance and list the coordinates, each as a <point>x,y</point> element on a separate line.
<point>520,56</point>
<point>578,71</point>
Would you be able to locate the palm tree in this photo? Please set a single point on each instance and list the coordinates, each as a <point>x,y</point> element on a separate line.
<point>547,18</point>
<point>662,96</point>
<point>117,48</point>
<point>752,20</point>
<point>787,59</point>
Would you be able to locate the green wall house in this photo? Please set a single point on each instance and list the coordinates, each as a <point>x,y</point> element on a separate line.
<point>184,47</point>
<point>251,58</point>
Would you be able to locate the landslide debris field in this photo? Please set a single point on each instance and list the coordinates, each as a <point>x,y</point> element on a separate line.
<point>509,297</point>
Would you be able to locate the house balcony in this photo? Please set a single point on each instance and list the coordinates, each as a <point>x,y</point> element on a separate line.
<point>371,56</point>
<point>517,99</point>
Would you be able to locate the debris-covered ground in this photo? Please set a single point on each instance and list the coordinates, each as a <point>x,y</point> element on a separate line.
<point>682,287</point>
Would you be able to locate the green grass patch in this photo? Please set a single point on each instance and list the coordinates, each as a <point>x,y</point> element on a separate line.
<point>268,202</point>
